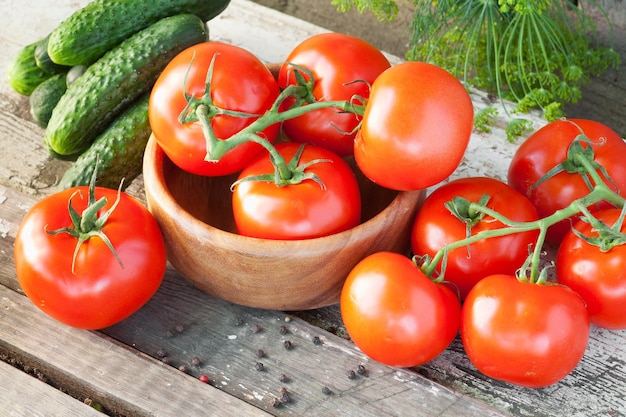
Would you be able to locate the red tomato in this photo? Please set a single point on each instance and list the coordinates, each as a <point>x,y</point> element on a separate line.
<point>395,314</point>
<point>336,61</point>
<point>545,149</point>
<point>435,226</point>
<point>240,82</point>
<point>599,277</point>
<point>100,292</point>
<point>306,210</point>
<point>416,127</point>
<point>524,333</point>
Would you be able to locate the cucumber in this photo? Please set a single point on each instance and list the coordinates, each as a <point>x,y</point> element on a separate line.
<point>23,74</point>
<point>117,79</point>
<point>101,24</point>
<point>118,151</point>
<point>43,59</point>
<point>45,98</point>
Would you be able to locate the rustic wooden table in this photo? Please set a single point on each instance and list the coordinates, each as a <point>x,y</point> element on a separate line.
<point>150,363</point>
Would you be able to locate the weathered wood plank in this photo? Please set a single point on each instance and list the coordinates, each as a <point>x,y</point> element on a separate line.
<point>26,396</point>
<point>85,363</point>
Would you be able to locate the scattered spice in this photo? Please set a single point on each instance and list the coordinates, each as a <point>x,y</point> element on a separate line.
<point>284,378</point>
<point>260,353</point>
<point>351,374</point>
<point>361,370</point>
<point>255,328</point>
<point>204,379</point>
<point>259,366</point>
<point>282,329</point>
<point>195,361</point>
<point>326,390</point>
<point>287,344</point>
<point>317,341</point>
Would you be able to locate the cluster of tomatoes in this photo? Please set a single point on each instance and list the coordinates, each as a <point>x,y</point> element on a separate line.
<point>218,110</point>
<point>530,332</point>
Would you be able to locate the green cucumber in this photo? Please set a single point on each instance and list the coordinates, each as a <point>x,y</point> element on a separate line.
<point>23,74</point>
<point>43,59</point>
<point>118,151</point>
<point>45,97</point>
<point>101,24</point>
<point>117,79</point>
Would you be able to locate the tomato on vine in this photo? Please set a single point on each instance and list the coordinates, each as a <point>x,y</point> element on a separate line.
<point>344,67</point>
<point>416,127</point>
<point>317,194</point>
<point>591,260</point>
<point>522,332</point>
<point>395,314</point>
<point>231,84</point>
<point>93,265</point>
<point>547,169</point>
<point>441,220</point>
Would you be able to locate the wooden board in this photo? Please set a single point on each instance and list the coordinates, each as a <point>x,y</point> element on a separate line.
<point>133,367</point>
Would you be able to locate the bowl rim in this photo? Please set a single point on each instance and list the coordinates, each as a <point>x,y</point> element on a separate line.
<point>153,167</point>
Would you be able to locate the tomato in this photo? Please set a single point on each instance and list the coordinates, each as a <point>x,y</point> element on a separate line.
<point>599,277</point>
<point>548,147</point>
<point>524,333</point>
<point>96,291</point>
<point>240,82</point>
<point>395,314</point>
<point>435,226</point>
<point>336,61</point>
<point>306,210</point>
<point>416,127</point>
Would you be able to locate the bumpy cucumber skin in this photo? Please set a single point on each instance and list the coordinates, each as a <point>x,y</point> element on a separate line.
<point>43,59</point>
<point>118,151</point>
<point>45,98</point>
<point>23,74</point>
<point>101,24</point>
<point>117,79</point>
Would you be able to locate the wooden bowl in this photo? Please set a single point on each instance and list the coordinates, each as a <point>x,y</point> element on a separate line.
<point>195,216</point>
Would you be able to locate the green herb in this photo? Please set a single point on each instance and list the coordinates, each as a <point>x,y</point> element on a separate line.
<point>529,53</point>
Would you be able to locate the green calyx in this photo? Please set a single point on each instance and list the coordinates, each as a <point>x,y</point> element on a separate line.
<point>608,236</point>
<point>292,174</point>
<point>466,212</point>
<point>89,224</point>
<point>190,112</point>
<point>580,160</point>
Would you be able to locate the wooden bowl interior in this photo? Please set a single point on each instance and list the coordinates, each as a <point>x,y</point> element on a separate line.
<point>209,198</point>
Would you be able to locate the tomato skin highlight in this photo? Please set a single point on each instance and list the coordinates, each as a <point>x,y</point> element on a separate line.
<point>100,293</point>
<point>336,61</point>
<point>435,226</point>
<point>264,210</point>
<point>546,148</point>
<point>599,277</point>
<point>395,314</point>
<point>416,127</point>
<point>523,333</point>
<point>240,82</point>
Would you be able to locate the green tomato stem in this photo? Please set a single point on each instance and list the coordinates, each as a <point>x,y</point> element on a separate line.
<point>600,192</point>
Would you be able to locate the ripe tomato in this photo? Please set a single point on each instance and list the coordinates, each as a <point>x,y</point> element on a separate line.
<point>545,149</point>
<point>524,333</point>
<point>416,127</point>
<point>306,210</point>
<point>599,277</point>
<point>435,226</point>
<point>98,292</point>
<point>336,61</point>
<point>240,82</point>
<point>395,314</point>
